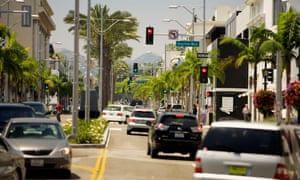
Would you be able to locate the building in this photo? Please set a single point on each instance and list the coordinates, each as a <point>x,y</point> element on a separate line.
<point>32,22</point>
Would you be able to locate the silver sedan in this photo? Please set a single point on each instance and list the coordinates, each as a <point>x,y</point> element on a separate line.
<point>43,143</point>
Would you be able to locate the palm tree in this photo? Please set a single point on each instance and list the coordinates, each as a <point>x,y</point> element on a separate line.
<point>114,46</point>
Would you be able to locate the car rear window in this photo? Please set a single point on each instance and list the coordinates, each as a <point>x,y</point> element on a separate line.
<point>243,141</point>
<point>184,121</point>
<point>7,113</point>
<point>113,108</point>
<point>147,114</point>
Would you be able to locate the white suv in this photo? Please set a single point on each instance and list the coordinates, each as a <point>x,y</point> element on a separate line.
<point>244,150</point>
<point>117,112</point>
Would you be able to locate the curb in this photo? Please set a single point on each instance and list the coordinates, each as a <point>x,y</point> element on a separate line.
<point>101,145</point>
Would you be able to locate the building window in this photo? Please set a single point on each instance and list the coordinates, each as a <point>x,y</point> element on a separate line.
<point>26,17</point>
<point>279,6</point>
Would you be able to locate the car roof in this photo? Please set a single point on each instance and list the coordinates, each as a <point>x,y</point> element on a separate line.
<point>143,109</point>
<point>13,105</point>
<point>32,102</point>
<point>33,120</point>
<point>247,125</point>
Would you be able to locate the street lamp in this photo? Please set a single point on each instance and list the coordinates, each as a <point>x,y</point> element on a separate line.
<point>101,56</point>
<point>193,33</point>
<point>170,20</point>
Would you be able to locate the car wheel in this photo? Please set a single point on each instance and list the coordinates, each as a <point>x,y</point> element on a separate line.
<point>192,155</point>
<point>67,173</point>
<point>154,153</point>
<point>148,149</point>
<point>128,132</point>
<point>16,175</point>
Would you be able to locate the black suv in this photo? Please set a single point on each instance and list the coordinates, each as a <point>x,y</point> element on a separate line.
<point>174,132</point>
<point>8,111</point>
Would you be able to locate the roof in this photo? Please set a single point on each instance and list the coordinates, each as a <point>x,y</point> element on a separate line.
<point>33,120</point>
<point>247,125</point>
<point>13,105</point>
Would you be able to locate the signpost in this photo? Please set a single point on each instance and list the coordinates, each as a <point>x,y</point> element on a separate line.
<point>187,43</point>
<point>202,55</point>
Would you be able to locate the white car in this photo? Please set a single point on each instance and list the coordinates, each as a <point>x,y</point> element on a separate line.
<point>117,113</point>
<point>235,149</point>
<point>140,120</point>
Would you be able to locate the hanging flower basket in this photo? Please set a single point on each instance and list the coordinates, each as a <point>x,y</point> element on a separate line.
<point>292,94</point>
<point>264,101</point>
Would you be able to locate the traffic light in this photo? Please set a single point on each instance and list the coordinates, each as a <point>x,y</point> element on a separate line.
<point>46,86</point>
<point>209,94</point>
<point>130,79</point>
<point>270,75</point>
<point>164,91</point>
<point>149,35</point>
<point>203,74</point>
<point>135,67</point>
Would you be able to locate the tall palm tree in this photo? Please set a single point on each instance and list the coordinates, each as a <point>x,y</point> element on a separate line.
<point>114,39</point>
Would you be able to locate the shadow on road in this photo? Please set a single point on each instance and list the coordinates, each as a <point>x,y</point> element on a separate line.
<point>49,175</point>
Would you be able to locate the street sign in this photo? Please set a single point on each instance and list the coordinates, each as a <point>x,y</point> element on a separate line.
<point>188,43</point>
<point>202,55</point>
<point>173,34</point>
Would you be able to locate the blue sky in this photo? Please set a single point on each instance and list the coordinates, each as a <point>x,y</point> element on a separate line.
<point>150,12</point>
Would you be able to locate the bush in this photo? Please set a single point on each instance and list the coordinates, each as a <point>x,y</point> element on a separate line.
<point>88,132</point>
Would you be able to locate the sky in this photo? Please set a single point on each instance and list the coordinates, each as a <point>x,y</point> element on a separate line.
<point>148,13</point>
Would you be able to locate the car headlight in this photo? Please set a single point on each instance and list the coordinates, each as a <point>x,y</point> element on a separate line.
<point>64,151</point>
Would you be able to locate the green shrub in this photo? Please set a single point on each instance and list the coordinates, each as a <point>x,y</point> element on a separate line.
<point>88,132</point>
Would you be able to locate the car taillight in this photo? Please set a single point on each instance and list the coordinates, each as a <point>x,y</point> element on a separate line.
<point>198,166</point>
<point>120,114</point>
<point>281,172</point>
<point>160,126</point>
<point>103,113</point>
<point>131,120</point>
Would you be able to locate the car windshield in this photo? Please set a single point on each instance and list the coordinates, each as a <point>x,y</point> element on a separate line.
<point>184,121</point>
<point>37,107</point>
<point>243,141</point>
<point>35,130</point>
<point>147,114</point>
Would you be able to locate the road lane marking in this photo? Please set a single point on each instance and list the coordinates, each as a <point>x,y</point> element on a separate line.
<point>86,168</point>
<point>98,163</point>
<point>103,165</point>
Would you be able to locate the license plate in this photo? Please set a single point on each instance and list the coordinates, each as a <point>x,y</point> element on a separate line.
<point>37,162</point>
<point>179,135</point>
<point>237,170</point>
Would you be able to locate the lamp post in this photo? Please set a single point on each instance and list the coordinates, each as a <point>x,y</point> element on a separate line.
<point>192,38</point>
<point>101,56</point>
<point>87,89</point>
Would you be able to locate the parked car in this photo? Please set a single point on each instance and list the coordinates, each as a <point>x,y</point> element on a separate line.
<point>138,120</point>
<point>177,108</point>
<point>39,108</point>
<point>117,113</point>
<point>43,143</point>
<point>174,132</point>
<point>8,111</point>
<point>244,150</point>
<point>160,110</point>
<point>12,163</point>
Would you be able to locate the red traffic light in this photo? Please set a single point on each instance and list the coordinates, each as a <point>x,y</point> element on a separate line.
<point>149,35</point>
<point>203,74</point>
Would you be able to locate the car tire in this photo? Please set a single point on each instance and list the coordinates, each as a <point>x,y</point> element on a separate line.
<point>67,173</point>
<point>128,132</point>
<point>193,155</point>
<point>148,149</point>
<point>154,153</point>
